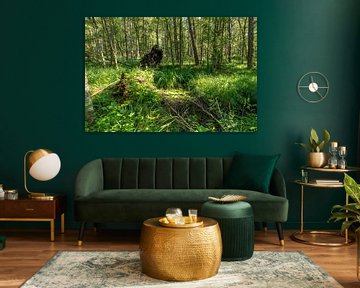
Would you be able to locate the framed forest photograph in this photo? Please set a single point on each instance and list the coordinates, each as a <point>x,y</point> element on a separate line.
<point>170,74</point>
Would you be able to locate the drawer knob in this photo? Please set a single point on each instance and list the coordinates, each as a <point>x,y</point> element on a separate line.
<point>29,209</point>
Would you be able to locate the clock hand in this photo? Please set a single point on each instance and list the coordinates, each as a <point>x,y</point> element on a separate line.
<point>312,82</point>
<point>321,96</point>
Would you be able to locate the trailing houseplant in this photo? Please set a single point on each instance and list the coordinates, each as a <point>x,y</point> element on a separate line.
<point>317,157</point>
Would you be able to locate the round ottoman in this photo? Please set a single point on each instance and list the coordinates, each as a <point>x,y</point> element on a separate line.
<point>236,221</point>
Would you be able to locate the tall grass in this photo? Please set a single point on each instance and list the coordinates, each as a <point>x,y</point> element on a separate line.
<point>173,78</point>
<point>228,89</point>
<point>226,95</point>
<point>99,76</point>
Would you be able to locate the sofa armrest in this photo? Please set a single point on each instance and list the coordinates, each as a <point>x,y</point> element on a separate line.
<point>277,184</point>
<point>89,179</point>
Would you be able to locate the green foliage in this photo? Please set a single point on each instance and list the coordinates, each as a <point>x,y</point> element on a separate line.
<point>121,41</point>
<point>127,117</point>
<point>142,89</point>
<point>349,214</point>
<point>173,78</point>
<point>228,89</point>
<point>352,188</point>
<point>314,144</point>
<point>232,122</point>
<point>160,100</point>
<point>99,77</point>
<point>129,63</point>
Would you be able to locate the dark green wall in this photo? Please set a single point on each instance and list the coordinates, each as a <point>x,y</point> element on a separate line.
<point>42,76</point>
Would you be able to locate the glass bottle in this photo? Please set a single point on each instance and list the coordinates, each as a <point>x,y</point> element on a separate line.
<point>304,176</point>
<point>2,192</point>
<point>11,194</point>
<point>342,154</point>
<point>333,159</point>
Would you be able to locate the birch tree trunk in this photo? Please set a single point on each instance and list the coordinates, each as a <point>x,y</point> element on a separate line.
<point>125,38</point>
<point>170,41</point>
<point>89,109</point>
<point>176,40</point>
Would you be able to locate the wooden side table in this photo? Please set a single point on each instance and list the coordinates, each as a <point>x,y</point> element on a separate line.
<point>27,209</point>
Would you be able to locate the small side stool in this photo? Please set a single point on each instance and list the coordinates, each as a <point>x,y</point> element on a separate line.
<point>236,221</point>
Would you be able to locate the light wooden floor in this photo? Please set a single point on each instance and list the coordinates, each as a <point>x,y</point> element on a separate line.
<point>28,250</point>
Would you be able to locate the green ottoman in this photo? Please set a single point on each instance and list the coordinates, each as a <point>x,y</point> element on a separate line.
<point>236,221</point>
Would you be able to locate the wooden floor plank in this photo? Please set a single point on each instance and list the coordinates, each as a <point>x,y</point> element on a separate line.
<point>28,250</point>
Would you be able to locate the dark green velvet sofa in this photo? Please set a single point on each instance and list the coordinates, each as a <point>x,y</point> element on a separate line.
<point>130,190</point>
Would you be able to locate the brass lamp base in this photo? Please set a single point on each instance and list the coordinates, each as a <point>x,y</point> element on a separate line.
<point>41,196</point>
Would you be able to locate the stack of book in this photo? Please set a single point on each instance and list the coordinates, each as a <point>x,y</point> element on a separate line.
<point>327,181</point>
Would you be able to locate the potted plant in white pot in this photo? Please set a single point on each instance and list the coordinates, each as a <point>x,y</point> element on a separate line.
<point>350,214</point>
<point>317,157</point>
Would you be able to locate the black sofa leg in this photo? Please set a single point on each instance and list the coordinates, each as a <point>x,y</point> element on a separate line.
<point>81,233</point>
<point>265,227</point>
<point>280,233</point>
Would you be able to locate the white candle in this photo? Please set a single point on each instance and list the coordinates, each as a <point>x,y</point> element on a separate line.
<point>342,149</point>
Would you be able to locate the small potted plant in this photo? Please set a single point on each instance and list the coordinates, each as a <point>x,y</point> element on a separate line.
<point>317,157</point>
<point>350,213</point>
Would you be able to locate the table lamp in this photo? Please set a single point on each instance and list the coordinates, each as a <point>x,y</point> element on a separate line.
<point>43,165</point>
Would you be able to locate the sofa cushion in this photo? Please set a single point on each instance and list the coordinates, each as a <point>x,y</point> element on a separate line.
<point>266,207</point>
<point>251,172</point>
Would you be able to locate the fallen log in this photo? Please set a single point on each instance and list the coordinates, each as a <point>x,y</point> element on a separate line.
<point>106,87</point>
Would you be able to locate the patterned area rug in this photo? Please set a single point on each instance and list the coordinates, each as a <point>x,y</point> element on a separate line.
<point>122,269</point>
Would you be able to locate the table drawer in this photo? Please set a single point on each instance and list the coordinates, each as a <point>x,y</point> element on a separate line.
<point>28,209</point>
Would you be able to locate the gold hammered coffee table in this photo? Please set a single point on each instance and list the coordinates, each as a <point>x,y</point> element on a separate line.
<point>180,254</point>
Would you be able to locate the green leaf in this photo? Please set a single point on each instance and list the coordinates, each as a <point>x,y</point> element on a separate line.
<point>314,136</point>
<point>326,136</point>
<point>353,207</point>
<point>312,144</point>
<point>321,146</point>
<point>307,146</point>
<point>346,225</point>
<point>336,216</point>
<point>352,188</point>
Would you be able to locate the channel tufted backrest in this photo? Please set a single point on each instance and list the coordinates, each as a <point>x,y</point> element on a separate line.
<point>164,173</point>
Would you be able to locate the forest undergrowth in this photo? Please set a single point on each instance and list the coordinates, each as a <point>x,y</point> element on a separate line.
<point>172,99</point>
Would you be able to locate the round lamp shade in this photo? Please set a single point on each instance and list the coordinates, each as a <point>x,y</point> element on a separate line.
<point>44,164</point>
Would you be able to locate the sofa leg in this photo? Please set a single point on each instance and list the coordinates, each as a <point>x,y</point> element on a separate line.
<point>265,227</point>
<point>81,233</point>
<point>280,233</point>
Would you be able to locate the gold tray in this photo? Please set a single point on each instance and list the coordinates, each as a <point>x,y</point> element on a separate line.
<point>228,198</point>
<point>165,222</point>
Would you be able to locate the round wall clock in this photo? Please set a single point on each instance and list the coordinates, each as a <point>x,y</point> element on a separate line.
<point>313,87</point>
